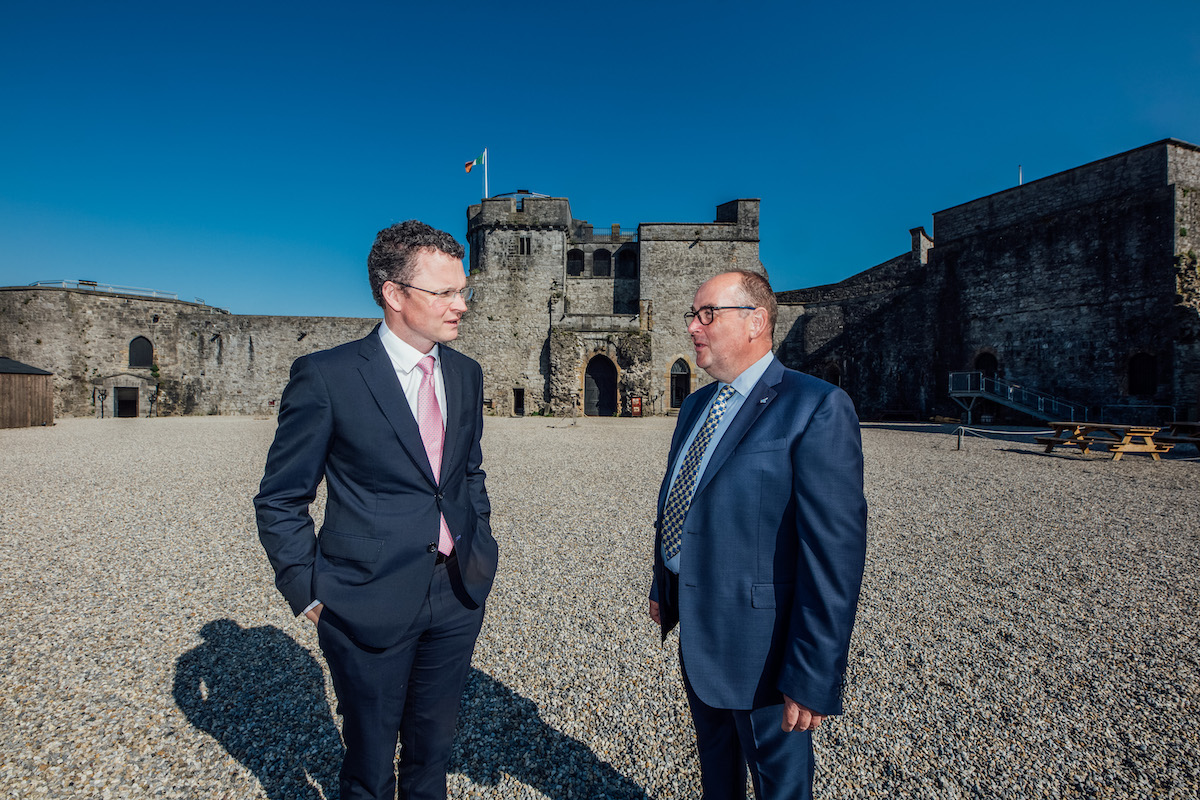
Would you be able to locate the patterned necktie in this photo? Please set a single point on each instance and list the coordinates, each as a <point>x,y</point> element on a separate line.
<point>433,434</point>
<point>679,500</point>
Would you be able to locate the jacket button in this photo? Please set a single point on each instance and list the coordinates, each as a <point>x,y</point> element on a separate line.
<point>438,497</point>
<point>432,548</point>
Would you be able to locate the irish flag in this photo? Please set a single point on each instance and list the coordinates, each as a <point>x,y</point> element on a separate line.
<point>476,163</point>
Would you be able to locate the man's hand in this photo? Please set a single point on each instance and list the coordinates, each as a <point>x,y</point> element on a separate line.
<point>654,615</point>
<point>314,613</point>
<point>798,718</point>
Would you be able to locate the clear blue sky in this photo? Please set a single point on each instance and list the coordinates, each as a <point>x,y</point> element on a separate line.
<point>247,153</point>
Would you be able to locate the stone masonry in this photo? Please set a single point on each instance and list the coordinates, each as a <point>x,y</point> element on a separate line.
<point>1084,284</point>
<point>571,320</point>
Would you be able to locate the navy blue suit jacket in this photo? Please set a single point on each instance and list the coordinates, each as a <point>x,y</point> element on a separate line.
<point>773,547</point>
<point>344,418</point>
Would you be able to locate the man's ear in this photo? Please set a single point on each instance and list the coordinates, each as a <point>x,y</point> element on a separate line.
<point>393,297</point>
<point>758,323</point>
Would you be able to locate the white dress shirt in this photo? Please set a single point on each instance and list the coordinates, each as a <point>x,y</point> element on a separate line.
<point>404,360</point>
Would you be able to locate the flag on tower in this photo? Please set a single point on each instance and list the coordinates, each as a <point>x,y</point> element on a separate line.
<point>476,163</point>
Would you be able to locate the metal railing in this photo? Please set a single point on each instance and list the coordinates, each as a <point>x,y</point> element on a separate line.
<point>977,383</point>
<point>92,286</point>
<point>607,237</point>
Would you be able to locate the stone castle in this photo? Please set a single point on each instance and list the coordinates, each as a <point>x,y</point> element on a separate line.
<point>1084,284</point>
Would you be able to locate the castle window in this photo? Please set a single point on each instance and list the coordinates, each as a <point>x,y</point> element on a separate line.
<point>575,263</point>
<point>601,264</point>
<point>1143,374</point>
<point>141,353</point>
<point>526,244</point>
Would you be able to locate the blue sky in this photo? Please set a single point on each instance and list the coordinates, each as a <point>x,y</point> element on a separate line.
<point>246,153</point>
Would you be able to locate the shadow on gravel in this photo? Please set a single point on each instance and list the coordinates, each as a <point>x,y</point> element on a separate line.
<point>499,731</point>
<point>262,697</point>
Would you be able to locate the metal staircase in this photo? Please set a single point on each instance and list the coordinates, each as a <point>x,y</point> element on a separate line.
<point>967,388</point>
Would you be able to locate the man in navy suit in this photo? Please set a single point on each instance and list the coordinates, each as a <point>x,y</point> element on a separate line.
<point>397,578</point>
<point>759,547</point>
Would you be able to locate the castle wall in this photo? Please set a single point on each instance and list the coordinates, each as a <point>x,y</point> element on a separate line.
<point>83,337</point>
<point>1067,282</point>
<point>1067,292</point>
<point>1063,281</point>
<point>205,361</point>
<point>1132,171</point>
<point>1184,174</point>
<point>862,334</point>
<point>240,364</point>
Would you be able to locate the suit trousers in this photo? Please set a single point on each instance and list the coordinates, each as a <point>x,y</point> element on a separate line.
<point>409,691</point>
<point>728,740</point>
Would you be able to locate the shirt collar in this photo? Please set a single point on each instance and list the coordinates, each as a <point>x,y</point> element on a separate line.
<point>743,383</point>
<point>403,354</point>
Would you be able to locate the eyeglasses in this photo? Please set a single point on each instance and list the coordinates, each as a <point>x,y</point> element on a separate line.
<point>446,296</point>
<point>706,313</point>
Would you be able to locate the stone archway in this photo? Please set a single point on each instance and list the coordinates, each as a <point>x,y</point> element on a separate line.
<point>681,382</point>
<point>600,388</point>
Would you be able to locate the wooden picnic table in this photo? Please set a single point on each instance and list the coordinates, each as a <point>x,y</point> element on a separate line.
<point>1179,432</point>
<point>1117,439</point>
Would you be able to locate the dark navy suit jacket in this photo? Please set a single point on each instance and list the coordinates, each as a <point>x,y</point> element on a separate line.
<point>344,418</point>
<point>773,547</point>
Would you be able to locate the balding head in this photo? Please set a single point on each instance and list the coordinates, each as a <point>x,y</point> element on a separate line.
<point>741,329</point>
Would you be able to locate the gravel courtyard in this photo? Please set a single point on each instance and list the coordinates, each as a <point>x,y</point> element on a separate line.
<point>1028,625</point>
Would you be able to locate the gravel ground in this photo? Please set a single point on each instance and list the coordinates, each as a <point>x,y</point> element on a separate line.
<point>1027,627</point>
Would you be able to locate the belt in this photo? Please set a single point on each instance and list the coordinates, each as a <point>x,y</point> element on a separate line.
<point>443,559</point>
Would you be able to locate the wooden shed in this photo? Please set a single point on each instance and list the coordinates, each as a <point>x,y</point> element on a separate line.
<point>26,395</point>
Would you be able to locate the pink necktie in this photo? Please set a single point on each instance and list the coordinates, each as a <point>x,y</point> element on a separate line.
<point>433,432</point>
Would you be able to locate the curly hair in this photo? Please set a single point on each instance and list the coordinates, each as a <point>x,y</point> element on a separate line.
<point>393,257</point>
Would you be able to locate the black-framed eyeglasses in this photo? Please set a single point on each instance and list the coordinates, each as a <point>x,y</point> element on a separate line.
<point>447,295</point>
<point>705,313</point>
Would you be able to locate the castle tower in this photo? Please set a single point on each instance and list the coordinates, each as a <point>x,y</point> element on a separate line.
<point>517,264</point>
<point>678,257</point>
<point>571,320</point>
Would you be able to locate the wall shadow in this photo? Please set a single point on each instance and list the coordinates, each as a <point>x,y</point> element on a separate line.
<point>262,697</point>
<point>499,731</point>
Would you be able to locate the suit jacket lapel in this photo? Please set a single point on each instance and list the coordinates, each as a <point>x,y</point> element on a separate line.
<point>756,402</point>
<point>454,382</point>
<point>381,380</point>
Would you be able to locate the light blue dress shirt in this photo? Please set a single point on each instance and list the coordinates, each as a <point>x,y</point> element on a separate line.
<point>742,385</point>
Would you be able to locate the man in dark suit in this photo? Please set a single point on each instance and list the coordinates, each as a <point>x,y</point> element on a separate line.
<point>759,547</point>
<point>397,579</point>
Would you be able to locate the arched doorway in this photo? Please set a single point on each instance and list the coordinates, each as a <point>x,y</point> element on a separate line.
<point>833,374</point>
<point>987,364</point>
<point>681,382</point>
<point>600,388</point>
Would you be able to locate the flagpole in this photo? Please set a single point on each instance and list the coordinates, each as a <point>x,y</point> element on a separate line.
<point>485,175</point>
